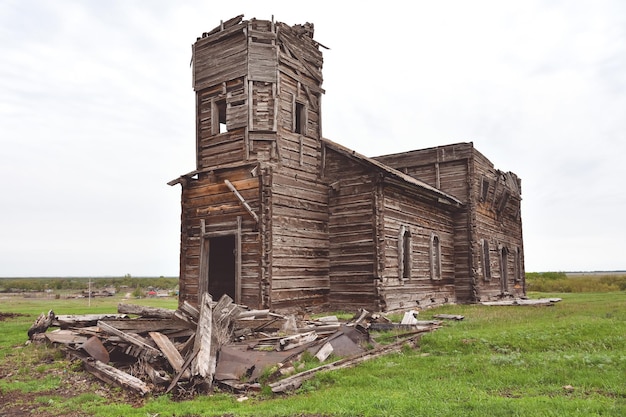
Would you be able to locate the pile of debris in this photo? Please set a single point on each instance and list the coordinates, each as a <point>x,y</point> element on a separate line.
<point>190,349</point>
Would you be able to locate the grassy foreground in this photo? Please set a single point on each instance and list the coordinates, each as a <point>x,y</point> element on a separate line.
<point>565,360</point>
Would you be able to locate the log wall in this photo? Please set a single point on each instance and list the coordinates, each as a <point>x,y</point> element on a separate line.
<point>498,221</point>
<point>492,215</point>
<point>353,197</point>
<point>422,220</point>
<point>208,200</point>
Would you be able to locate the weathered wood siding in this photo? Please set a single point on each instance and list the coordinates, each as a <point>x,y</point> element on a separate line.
<point>447,168</point>
<point>300,246</point>
<point>299,206</point>
<point>208,200</point>
<point>353,255</point>
<point>422,220</point>
<point>498,222</point>
<point>323,227</point>
<point>492,215</point>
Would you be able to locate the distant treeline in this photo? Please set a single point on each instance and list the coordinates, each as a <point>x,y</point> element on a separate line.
<point>561,282</point>
<point>73,283</point>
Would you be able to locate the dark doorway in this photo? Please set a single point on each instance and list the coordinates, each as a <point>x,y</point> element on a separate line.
<point>222,266</point>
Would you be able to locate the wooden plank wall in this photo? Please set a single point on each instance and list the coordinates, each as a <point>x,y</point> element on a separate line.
<point>422,220</point>
<point>300,246</point>
<point>501,225</point>
<point>351,231</point>
<point>220,57</point>
<point>299,205</point>
<point>208,198</point>
<point>228,147</point>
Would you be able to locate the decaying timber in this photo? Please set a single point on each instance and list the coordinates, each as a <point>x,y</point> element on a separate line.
<point>523,302</point>
<point>230,345</point>
<point>41,324</point>
<point>278,217</point>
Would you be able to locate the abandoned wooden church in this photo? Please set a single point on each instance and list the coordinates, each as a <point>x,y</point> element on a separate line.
<point>276,216</point>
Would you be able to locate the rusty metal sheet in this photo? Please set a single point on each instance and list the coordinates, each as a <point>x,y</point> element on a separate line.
<point>94,347</point>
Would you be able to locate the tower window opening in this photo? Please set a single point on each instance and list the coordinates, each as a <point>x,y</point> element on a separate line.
<point>300,119</point>
<point>219,115</point>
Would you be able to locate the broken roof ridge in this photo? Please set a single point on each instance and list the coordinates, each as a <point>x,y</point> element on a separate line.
<point>399,174</point>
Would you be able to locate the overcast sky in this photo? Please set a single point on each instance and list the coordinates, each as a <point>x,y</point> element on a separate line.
<point>97,115</point>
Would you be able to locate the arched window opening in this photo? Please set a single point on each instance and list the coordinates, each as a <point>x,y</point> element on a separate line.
<point>405,262</point>
<point>435,257</point>
<point>517,272</point>
<point>485,260</point>
<point>504,269</point>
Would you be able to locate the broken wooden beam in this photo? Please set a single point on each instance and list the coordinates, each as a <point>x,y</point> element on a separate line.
<point>41,324</point>
<point>204,364</point>
<point>523,302</point>
<point>83,320</point>
<point>112,375</point>
<point>295,381</point>
<point>169,350</point>
<point>149,352</point>
<point>66,337</point>
<point>291,342</point>
<point>449,316</point>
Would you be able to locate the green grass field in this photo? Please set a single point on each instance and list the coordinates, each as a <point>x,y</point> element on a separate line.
<point>565,360</point>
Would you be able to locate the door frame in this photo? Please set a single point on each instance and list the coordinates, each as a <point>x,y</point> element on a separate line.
<point>203,278</point>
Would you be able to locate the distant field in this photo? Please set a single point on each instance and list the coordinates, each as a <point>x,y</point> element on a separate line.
<point>67,287</point>
<point>569,282</point>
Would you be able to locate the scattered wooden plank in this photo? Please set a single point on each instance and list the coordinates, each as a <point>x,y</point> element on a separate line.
<point>144,311</point>
<point>324,352</point>
<point>149,352</point>
<point>66,337</point>
<point>385,327</point>
<point>449,316</point>
<point>522,302</point>
<point>169,350</point>
<point>190,358</point>
<point>410,317</point>
<point>84,320</point>
<point>204,365</point>
<point>291,342</point>
<point>190,310</point>
<point>295,381</point>
<point>41,324</point>
<point>258,314</point>
<point>145,325</point>
<point>112,375</point>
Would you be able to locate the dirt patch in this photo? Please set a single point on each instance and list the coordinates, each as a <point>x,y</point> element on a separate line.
<point>73,383</point>
<point>6,316</point>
